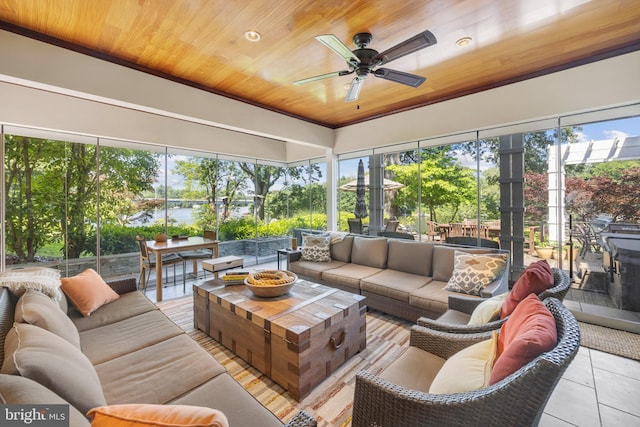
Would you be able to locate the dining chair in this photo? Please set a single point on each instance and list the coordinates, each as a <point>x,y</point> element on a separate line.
<point>392,225</point>
<point>148,263</point>
<point>200,254</point>
<point>356,227</point>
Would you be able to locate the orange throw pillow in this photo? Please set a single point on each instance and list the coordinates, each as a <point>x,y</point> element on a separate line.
<point>536,278</point>
<point>529,332</point>
<point>87,291</point>
<point>143,415</point>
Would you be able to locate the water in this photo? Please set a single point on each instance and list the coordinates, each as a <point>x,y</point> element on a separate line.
<point>185,216</point>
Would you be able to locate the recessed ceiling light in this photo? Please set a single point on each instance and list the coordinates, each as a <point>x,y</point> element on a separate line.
<point>464,41</point>
<point>252,36</point>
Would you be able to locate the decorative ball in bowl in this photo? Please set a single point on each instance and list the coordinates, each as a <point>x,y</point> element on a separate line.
<point>270,283</point>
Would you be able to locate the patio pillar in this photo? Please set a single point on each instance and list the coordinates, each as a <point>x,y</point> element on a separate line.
<point>376,194</point>
<point>332,190</point>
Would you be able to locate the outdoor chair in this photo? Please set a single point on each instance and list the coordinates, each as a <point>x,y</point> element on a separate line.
<point>455,319</point>
<point>148,263</point>
<point>392,225</point>
<point>199,254</point>
<point>518,399</point>
<point>456,229</point>
<point>356,227</point>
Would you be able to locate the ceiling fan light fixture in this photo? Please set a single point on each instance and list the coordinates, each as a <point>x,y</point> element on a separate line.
<point>464,41</point>
<point>253,36</point>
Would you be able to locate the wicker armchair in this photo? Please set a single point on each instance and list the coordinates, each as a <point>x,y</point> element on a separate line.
<point>518,399</point>
<point>455,319</point>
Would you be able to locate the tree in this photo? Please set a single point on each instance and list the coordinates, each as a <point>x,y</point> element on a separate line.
<point>52,191</point>
<point>29,222</point>
<point>215,180</point>
<point>264,178</point>
<point>444,182</point>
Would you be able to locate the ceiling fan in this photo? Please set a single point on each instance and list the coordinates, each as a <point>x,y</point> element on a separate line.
<point>364,61</point>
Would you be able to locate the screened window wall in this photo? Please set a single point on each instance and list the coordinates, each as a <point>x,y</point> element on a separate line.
<point>73,202</point>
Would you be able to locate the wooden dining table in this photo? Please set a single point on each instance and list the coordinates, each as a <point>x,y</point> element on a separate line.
<point>177,245</point>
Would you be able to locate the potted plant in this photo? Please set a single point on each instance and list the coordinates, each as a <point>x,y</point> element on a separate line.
<point>543,248</point>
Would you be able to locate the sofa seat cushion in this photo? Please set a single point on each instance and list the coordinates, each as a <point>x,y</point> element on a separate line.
<point>349,275</point>
<point>414,370</point>
<point>454,317</point>
<point>393,284</point>
<point>228,396</point>
<point>116,339</point>
<point>17,390</point>
<point>313,269</point>
<point>432,297</point>
<point>158,373</point>
<point>128,305</point>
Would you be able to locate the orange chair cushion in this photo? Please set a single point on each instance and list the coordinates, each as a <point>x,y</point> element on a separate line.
<point>536,278</point>
<point>529,332</point>
<point>87,291</point>
<point>143,415</point>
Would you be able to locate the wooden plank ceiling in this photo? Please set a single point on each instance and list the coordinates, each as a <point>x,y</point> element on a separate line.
<point>201,43</point>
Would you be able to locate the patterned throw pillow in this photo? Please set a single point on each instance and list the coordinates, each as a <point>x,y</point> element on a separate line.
<point>316,248</point>
<point>472,272</point>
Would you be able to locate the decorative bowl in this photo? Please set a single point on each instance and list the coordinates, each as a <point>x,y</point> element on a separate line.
<point>270,291</point>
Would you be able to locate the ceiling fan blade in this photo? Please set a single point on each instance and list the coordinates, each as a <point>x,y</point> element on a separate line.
<point>354,90</point>
<point>415,43</point>
<point>399,77</point>
<point>322,76</point>
<point>334,43</point>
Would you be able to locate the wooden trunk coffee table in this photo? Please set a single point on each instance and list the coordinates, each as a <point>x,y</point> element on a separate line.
<point>297,339</point>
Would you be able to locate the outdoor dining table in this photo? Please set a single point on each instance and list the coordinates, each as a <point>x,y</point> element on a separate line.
<point>177,245</point>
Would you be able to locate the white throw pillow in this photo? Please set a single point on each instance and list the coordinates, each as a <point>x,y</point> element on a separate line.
<point>45,280</point>
<point>487,310</point>
<point>467,370</point>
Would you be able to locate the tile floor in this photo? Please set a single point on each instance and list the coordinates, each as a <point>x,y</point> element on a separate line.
<point>598,389</point>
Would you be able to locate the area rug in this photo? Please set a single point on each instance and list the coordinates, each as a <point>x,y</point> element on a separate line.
<point>331,401</point>
<point>621,343</point>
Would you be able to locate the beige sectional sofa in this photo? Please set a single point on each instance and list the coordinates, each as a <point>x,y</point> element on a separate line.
<point>137,353</point>
<point>404,278</point>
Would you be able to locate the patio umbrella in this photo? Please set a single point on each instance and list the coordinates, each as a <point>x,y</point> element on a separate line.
<point>386,185</point>
<point>361,206</point>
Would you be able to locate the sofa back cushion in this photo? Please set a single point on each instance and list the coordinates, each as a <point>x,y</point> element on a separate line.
<point>341,247</point>
<point>35,308</point>
<point>443,257</point>
<point>371,252</point>
<point>17,390</point>
<point>55,363</point>
<point>410,257</point>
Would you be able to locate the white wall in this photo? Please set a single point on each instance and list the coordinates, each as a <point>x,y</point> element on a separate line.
<point>77,79</point>
<point>46,86</point>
